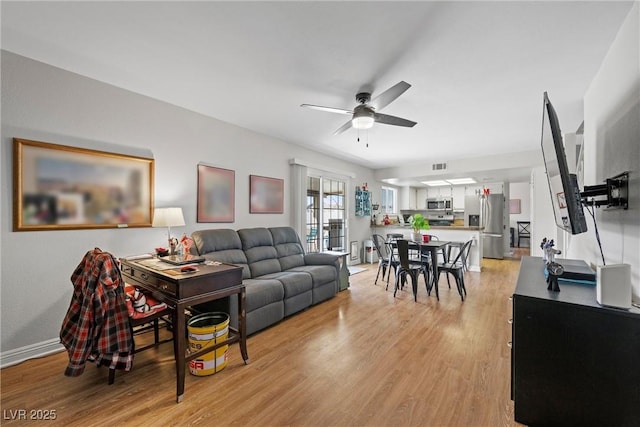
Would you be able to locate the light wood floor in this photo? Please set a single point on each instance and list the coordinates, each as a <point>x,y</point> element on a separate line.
<point>360,359</point>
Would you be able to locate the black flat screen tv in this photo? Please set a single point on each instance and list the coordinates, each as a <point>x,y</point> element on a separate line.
<point>563,186</point>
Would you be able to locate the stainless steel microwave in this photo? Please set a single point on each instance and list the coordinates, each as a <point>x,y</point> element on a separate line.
<point>440,204</point>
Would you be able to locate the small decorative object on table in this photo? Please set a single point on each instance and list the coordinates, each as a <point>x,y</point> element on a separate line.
<point>161,251</point>
<point>553,268</point>
<point>187,243</point>
<point>173,244</point>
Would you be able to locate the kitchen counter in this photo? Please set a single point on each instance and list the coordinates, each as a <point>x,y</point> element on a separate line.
<point>455,227</point>
<point>451,233</point>
<point>433,227</point>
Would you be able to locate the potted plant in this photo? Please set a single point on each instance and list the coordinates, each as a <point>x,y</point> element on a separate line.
<point>418,222</point>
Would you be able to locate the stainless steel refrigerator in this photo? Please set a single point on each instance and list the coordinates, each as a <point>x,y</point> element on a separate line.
<point>492,219</point>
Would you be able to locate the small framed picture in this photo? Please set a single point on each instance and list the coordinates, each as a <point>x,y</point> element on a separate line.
<point>514,206</point>
<point>216,194</point>
<point>266,194</point>
<point>562,203</point>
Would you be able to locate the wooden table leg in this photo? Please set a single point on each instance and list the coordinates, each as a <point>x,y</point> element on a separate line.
<point>242,325</point>
<point>181,347</point>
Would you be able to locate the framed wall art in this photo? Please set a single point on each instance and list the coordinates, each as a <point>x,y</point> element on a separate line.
<point>216,194</point>
<point>62,187</point>
<point>266,194</point>
<point>514,206</point>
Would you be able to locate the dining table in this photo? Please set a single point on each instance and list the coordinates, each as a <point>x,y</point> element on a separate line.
<point>431,247</point>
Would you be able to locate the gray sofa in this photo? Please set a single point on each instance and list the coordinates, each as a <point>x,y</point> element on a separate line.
<point>280,279</point>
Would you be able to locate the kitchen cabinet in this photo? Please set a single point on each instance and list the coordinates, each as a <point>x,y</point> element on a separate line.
<point>421,198</point>
<point>438,192</point>
<point>457,192</point>
<point>407,198</point>
<point>363,203</point>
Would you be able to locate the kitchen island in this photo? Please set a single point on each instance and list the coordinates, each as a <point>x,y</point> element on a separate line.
<point>451,233</point>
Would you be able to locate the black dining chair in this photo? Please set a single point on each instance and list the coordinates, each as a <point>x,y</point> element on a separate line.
<point>412,268</point>
<point>385,258</point>
<point>465,255</point>
<point>523,230</point>
<point>394,236</point>
<point>456,269</point>
<point>458,246</point>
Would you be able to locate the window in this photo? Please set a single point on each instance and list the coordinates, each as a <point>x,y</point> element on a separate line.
<point>388,200</point>
<point>325,214</point>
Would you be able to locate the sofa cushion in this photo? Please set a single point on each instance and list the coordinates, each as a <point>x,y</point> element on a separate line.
<point>320,274</point>
<point>261,292</point>
<point>293,282</point>
<point>262,257</point>
<point>216,240</point>
<point>222,245</point>
<point>288,247</point>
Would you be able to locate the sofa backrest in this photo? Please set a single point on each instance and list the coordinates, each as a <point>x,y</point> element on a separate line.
<point>288,247</point>
<point>261,254</point>
<point>222,245</point>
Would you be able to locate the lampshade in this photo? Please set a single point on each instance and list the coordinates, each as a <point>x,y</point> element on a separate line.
<point>167,217</point>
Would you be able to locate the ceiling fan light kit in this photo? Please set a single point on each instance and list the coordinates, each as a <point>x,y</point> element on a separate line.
<point>364,115</point>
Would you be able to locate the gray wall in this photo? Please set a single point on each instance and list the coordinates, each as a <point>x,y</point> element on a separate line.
<point>48,104</point>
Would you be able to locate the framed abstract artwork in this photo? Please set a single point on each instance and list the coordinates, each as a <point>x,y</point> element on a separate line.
<point>216,194</point>
<point>514,206</point>
<point>58,187</point>
<point>266,195</point>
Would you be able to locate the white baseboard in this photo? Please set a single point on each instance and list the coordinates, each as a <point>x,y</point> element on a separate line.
<point>44,348</point>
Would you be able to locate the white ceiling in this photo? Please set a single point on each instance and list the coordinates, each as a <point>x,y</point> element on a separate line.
<point>478,69</point>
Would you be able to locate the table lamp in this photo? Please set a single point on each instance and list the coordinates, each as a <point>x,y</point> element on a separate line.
<point>168,217</point>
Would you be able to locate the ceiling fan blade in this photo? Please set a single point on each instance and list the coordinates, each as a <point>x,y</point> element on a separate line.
<point>393,120</point>
<point>343,128</point>
<point>327,109</point>
<point>389,95</point>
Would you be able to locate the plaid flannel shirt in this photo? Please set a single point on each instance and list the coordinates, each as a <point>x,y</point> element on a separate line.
<point>96,326</point>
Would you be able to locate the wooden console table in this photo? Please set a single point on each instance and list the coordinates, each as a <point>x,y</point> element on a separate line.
<point>573,361</point>
<point>181,290</point>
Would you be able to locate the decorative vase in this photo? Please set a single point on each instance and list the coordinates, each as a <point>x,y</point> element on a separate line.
<point>416,237</point>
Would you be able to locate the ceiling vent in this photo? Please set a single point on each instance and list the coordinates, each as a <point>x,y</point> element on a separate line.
<point>439,166</point>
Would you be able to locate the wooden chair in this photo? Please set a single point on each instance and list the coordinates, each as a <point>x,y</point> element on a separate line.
<point>145,324</point>
<point>523,231</point>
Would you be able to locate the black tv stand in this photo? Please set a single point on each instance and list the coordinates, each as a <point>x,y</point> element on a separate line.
<point>573,362</point>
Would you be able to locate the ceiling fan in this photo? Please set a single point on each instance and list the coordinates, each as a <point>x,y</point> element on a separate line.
<point>365,113</point>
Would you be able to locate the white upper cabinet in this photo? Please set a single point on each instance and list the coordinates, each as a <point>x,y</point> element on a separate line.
<point>458,193</point>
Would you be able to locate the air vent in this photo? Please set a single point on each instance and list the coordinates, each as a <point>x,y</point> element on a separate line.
<point>438,166</point>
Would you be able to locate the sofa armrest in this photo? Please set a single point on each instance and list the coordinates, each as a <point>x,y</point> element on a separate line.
<point>316,258</point>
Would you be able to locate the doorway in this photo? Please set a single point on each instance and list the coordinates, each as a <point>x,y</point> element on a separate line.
<point>325,214</point>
